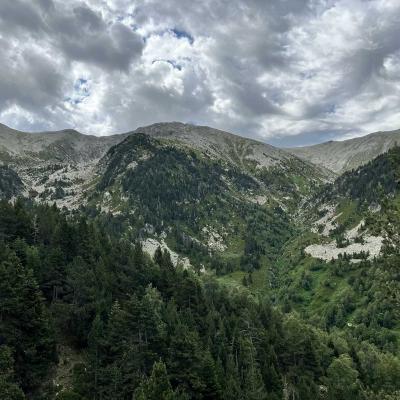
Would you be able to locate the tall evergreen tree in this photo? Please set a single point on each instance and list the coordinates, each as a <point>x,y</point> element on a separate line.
<point>24,324</point>
<point>9,390</point>
<point>157,386</point>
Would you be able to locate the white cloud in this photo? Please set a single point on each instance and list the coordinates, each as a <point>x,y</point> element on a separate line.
<point>291,71</point>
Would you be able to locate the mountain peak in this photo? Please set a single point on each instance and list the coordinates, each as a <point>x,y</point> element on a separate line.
<point>341,156</point>
<point>217,143</point>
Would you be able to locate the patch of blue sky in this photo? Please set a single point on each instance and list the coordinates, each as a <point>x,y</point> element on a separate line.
<point>182,34</point>
<point>81,91</point>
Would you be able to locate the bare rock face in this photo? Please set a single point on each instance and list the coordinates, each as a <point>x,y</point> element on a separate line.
<point>341,156</point>
<point>359,242</point>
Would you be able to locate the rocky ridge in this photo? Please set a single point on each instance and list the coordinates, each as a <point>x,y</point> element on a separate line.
<point>341,156</point>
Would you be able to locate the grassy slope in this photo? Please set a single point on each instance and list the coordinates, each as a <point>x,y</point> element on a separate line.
<point>339,294</point>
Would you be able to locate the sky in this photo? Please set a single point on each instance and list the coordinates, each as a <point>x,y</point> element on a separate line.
<point>288,72</point>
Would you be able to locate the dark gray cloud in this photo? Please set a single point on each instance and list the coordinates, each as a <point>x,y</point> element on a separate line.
<point>19,14</point>
<point>76,33</point>
<point>31,80</point>
<point>115,48</point>
<point>288,72</point>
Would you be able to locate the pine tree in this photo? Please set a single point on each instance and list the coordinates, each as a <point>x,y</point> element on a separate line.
<point>253,385</point>
<point>24,324</point>
<point>342,379</point>
<point>157,386</point>
<point>9,390</point>
<point>231,387</point>
<point>95,356</point>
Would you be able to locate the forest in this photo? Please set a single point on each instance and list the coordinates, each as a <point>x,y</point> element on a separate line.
<point>141,329</point>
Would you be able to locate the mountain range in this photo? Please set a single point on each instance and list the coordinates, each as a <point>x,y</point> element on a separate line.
<point>51,163</point>
<point>34,155</point>
<point>341,156</point>
<point>191,262</point>
<point>209,177</point>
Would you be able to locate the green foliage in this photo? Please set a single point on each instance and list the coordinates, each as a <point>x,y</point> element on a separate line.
<point>291,180</point>
<point>166,182</point>
<point>266,233</point>
<point>370,183</point>
<point>125,313</point>
<point>355,304</point>
<point>157,386</point>
<point>10,183</point>
<point>186,193</point>
<point>342,379</point>
<point>147,330</point>
<point>24,324</point>
<point>69,396</point>
<point>9,389</point>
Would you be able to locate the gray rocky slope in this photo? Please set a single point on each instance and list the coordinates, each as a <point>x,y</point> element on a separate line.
<point>341,156</point>
<point>53,165</point>
<point>58,166</point>
<point>218,143</point>
<point>74,147</point>
<point>64,146</point>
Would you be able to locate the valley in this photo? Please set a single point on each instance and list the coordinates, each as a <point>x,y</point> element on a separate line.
<point>267,273</point>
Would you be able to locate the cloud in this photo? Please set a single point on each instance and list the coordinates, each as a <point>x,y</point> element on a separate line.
<point>288,72</point>
<point>17,15</point>
<point>29,79</point>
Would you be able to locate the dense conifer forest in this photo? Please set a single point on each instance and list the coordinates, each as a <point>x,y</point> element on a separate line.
<point>142,329</point>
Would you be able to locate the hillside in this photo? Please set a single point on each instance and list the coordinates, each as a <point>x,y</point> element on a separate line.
<point>89,315</point>
<point>59,166</point>
<point>341,272</point>
<point>53,165</point>
<point>195,202</point>
<point>182,262</point>
<point>10,183</point>
<point>360,209</point>
<point>218,144</point>
<point>63,146</point>
<point>174,185</point>
<point>341,156</point>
